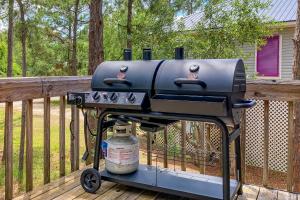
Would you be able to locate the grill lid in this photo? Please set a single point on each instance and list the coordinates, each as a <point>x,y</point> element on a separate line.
<point>200,77</point>
<point>134,76</point>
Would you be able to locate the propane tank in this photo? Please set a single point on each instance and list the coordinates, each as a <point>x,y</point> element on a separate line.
<point>122,153</point>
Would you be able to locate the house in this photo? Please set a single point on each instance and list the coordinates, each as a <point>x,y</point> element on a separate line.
<point>275,59</point>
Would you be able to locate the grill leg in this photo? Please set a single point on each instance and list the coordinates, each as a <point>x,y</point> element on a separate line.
<point>238,163</point>
<point>226,163</point>
<point>99,140</point>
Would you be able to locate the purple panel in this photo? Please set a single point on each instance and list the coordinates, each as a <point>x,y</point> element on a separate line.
<point>268,58</point>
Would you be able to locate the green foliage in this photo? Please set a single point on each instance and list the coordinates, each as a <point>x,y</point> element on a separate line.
<point>225,26</point>
<point>3,58</point>
<point>151,27</point>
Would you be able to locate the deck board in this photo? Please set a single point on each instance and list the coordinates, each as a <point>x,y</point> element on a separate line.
<point>250,192</point>
<point>105,186</point>
<point>115,193</point>
<point>147,195</point>
<point>58,191</point>
<point>69,188</point>
<point>265,193</point>
<point>286,196</point>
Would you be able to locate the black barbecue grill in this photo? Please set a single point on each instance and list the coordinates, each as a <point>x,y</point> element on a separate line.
<point>213,87</point>
<point>157,93</point>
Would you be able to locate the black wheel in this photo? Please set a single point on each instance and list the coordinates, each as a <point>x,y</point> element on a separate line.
<point>90,180</point>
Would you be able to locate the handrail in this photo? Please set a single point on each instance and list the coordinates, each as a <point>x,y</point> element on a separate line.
<point>287,90</point>
<point>16,89</point>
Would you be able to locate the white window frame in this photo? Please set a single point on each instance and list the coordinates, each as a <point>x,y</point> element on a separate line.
<point>279,67</point>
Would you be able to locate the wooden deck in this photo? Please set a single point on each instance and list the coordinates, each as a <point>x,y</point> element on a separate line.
<point>69,188</point>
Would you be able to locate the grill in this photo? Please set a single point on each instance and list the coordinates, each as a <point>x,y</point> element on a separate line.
<point>159,92</point>
<point>202,87</point>
<point>120,85</point>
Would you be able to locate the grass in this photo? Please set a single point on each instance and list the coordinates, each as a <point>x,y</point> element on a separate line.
<point>38,138</point>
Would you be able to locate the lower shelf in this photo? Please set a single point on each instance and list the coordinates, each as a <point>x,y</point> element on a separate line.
<point>180,183</point>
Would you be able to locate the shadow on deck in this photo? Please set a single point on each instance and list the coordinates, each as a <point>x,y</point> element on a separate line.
<point>69,188</point>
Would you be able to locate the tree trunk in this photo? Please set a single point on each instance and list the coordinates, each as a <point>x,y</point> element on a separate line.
<point>74,40</point>
<point>96,56</point>
<point>190,7</point>
<point>129,24</point>
<point>69,43</point>
<point>96,52</point>
<point>129,43</point>
<point>24,71</point>
<point>73,72</point>
<point>10,38</point>
<point>9,50</point>
<point>296,139</point>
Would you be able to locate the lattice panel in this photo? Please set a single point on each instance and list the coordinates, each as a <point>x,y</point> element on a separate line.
<point>215,137</point>
<point>278,135</point>
<point>174,142</point>
<point>255,135</point>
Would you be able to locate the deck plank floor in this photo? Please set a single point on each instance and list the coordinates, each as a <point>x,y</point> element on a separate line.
<point>69,188</point>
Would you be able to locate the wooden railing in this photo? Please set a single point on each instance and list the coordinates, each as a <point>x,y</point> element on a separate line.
<point>27,89</point>
<point>281,90</point>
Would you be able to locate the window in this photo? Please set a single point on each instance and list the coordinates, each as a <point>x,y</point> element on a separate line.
<point>267,58</point>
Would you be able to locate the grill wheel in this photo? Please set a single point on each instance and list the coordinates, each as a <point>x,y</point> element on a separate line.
<point>90,180</point>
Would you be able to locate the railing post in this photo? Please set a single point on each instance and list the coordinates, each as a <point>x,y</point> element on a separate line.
<point>76,134</point>
<point>166,147</point>
<point>22,142</point>
<point>133,128</point>
<point>243,146</point>
<point>149,148</point>
<point>200,141</point>
<point>296,148</point>
<point>291,131</point>
<point>266,142</point>
<point>62,135</point>
<point>46,140</point>
<point>28,118</point>
<point>183,145</point>
<point>74,139</point>
<point>8,150</point>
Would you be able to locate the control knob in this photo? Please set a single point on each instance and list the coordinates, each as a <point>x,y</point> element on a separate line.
<point>105,96</point>
<point>96,96</point>
<point>113,97</point>
<point>131,97</point>
<point>78,100</point>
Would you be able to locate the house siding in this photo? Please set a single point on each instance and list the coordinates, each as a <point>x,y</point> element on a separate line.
<point>286,62</point>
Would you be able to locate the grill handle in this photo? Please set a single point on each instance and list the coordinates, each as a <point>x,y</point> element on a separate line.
<point>182,81</point>
<point>111,81</point>
<point>244,104</point>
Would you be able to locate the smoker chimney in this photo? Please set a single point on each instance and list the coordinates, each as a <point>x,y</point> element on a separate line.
<point>179,53</point>
<point>127,54</point>
<point>147,54</point>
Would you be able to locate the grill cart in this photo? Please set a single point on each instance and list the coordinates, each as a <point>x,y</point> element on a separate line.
<point>156,93</point>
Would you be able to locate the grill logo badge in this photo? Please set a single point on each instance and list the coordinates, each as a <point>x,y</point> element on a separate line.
<point>194,68</point>
<point>193,72</point>
<point>123,70</point>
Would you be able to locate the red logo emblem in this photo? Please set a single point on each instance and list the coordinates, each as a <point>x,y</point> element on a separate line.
<point>121,75</point>
<point>192,76</point>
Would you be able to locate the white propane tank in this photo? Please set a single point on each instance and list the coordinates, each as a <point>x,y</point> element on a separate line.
<point>122,153</point>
